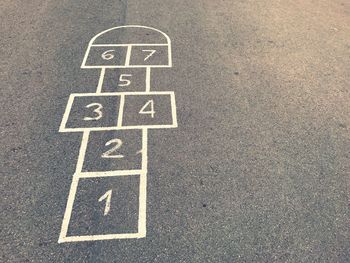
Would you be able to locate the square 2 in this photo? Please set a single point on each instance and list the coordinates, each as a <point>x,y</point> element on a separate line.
<point>113,151</point>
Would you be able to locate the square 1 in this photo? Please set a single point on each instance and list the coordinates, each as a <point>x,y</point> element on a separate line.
<point>105,206</point>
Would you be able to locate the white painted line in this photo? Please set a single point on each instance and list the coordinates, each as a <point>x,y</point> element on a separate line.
<point>100,237</point>
<point>142,225</point>
<point>142,216</point>
<point>100,81</point>
<point>116,128</point>
<point>71,197</point>
<point>148,80</point>
<point>109,173</point>
<point>144,149</point>
<point>127,57</point>
<point>91,43</point>
<point>129,26</point>
<point>121,111</point>
<point>173,110</point>
<point>85,57</point>
<point>126,45</point>
<point>123,66</point>
<point>170,57</point>
<point>129,93</point>
<point>69,207</point>
<point>82,151</point>
<point>66,114</point>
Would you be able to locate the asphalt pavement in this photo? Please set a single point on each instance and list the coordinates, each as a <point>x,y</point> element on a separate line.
<point>257,169</point>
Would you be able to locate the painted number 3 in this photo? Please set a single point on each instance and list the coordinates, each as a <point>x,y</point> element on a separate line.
<point>97,111</point>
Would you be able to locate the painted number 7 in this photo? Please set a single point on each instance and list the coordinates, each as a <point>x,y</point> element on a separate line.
<point>108,197</point>
<point>150,51</point>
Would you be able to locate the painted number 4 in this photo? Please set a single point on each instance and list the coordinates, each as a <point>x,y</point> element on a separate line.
<point>108,197</point>
<point>148,108</point>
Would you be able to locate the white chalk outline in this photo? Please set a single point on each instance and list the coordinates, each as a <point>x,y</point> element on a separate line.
<point>142,217</point>
<point>128,45</point>
<point>73,189</point>
<point>121,111</point>
<point>91,44</point>
<point>122,95</point>
<point>100,81</point>
<point>141,232</point>
<point>148,81</point>
<point>128,56</point>
<point>89,174</point>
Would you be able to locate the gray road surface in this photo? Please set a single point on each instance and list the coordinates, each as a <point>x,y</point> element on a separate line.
<point>258,169</point>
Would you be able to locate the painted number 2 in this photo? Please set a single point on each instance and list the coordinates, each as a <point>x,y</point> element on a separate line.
<point>97,111</point>
<point>108,197</point>
<point>148,108</point>
<point>112,153</point>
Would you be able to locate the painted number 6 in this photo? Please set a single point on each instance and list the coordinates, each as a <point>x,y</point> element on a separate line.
<point>107,54</point>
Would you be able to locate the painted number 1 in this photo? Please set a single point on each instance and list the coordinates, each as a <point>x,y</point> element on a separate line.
<point>107,196</point>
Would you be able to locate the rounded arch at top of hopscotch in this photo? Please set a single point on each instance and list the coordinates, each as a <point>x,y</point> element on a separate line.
<point>128,37</point>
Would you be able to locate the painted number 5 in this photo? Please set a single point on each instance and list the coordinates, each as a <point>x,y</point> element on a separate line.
<point>148,108</point>
<point>97,111</point>
<point>123,81</point>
